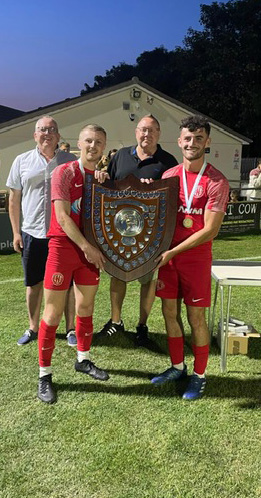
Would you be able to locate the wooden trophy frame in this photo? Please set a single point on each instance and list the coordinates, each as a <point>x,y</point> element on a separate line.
<point>130,222</point>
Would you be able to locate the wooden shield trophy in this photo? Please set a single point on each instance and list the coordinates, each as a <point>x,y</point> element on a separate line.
<point>130,222</point>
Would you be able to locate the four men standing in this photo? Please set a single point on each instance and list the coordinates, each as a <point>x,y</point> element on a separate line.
<point>184,270</point>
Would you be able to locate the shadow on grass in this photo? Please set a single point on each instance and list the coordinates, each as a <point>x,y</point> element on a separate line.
<point>127,340</point>
<point>157,343</point>
<point>248,390</point>
<point>60,335</point>
<point>250,406</point>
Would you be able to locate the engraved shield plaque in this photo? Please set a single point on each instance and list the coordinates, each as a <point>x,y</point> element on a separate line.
<point>130,222</point>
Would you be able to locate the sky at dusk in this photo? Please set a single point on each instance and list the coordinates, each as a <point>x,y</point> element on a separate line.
<point>49,49</point>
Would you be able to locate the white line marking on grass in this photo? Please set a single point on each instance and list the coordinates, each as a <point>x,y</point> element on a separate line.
<point>241,259</point>
<point>11,280</point>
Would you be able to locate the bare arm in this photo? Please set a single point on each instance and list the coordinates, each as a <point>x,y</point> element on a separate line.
<point>14,214</point>
<point>212,223</point>
<point>93,255</point>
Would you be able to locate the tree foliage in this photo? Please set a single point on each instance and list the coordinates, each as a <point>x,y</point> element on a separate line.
<point>217,70</point>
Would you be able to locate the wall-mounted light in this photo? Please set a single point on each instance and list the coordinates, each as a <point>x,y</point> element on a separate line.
<point>132,116</point>
<point>135,94</point>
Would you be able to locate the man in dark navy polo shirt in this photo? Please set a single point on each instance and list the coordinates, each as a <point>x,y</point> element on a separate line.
<point>149,161</point>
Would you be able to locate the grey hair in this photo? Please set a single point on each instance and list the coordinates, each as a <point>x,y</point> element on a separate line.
<point>151,117</point>
<point>45,116</point>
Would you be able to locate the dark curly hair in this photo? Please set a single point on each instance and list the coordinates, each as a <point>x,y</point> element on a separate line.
<point>193,123</point>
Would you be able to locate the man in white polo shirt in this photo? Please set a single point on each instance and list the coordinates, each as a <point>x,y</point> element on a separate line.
<point>29,181</point>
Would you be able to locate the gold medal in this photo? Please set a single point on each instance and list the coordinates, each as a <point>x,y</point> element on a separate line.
<point>187,223</point>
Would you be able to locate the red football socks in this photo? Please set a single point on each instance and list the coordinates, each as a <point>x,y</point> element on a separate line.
<point>201,358</point>
<point>176,349</point>
<point>84,332</point>
<point>46,341</point>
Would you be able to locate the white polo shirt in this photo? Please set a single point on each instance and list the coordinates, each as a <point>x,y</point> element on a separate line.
<point>31,173</point>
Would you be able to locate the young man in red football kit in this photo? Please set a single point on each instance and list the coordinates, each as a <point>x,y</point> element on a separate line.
<point>71,256</point>
<point>185,269</point>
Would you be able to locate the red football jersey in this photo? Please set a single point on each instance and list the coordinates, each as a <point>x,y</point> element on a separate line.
<point>212,193</point>
<point>67,185</point>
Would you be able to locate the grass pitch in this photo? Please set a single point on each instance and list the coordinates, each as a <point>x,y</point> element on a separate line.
<point>127,438</point>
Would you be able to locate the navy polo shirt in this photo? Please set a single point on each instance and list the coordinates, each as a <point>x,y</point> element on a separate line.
<point>126,162</point>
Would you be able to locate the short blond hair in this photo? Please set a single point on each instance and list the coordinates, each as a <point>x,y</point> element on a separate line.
<point>93,127</point>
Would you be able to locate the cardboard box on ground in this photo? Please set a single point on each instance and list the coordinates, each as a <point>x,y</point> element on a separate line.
<point>239,336</point>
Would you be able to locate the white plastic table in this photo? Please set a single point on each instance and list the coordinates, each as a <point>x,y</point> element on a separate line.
<point>228,274</point>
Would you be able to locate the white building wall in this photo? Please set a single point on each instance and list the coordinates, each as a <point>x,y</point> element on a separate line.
<point>107,111</point>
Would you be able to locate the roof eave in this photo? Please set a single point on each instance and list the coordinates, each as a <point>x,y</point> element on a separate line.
<point>31,115</point>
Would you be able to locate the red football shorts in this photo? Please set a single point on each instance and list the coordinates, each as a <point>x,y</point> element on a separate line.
<point>186,276</point>
<point>65,262</point>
